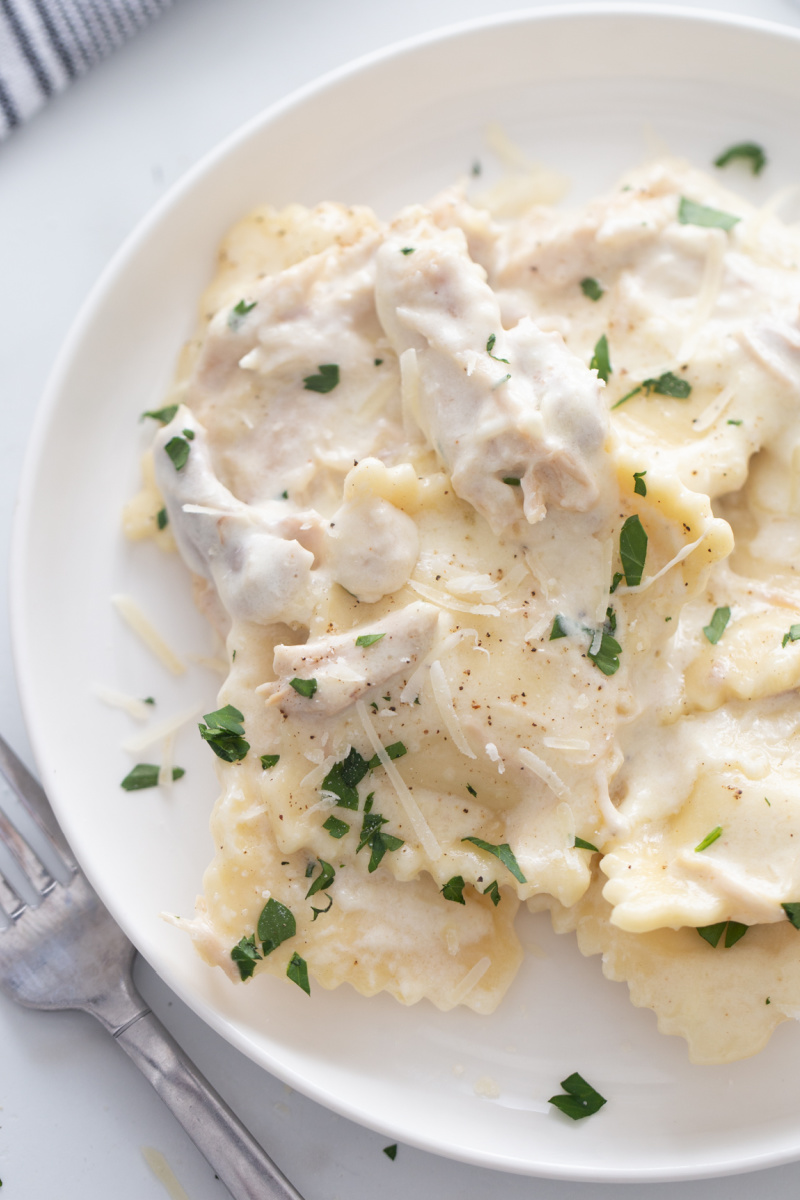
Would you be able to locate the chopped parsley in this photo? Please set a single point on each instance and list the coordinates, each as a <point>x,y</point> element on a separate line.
<point>304,687</point>
<point>145,775</point>
<point>730,421</point>
<point>324,880</point>
<point>615,582</point>
<point>493,892</point>
<point>628,395</point>
<point>601,360</point>
<point>690,213</point>
<point>606,656</point>
<point>734,932</point>
<point>476,167</point>
<point>269,760</point>
<point>471,790</point>
<point>162,520</point>
<point>581,844</point>
<point>246,954</point>
<point>712,933</point>
<point>178,450</point>
<point>792,636</point>
<point>792,911</point>
<point>369,639</point>
<point>580,1100</point>
<point>276,924</point>
<point>668,384</point>
<point>591,288</point>
<point>238,313</point>
<point>500,382</point>
<point>373,836</point>
<point>378,362</point>
<point>639,485</point>
<point>709,839</point>
<point>503,852</point>
<point>558,630</point>
<point>223,730</point>
<point>490,347</point>
<point>325,382</point>
<point>320,912</point>
<point>297,971</point>
<point>148,700</point>
<point>633,550</point>
<point>396,750</point>
<point>335,827</point>
<point>512,480</point>
<point>750,152</point>
<point>189,434</point>
<point>716,627</point>
<point>164,415</point>
<point>407,250</point>
<point>343,779</point>
<point>391,1151</point>
<point>454,889</point>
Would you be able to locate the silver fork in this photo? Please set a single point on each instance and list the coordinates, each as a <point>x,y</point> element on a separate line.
<point>68,952</point>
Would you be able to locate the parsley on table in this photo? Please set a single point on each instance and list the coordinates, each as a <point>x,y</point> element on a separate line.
<point>164,415</point>
<point>690,213</point>
<point>145,775</point>
<point>238,313</point>
<point>709,839</point>
<point>344,777</point>
<point>297,971</point>
<point>633,550</point>
<point>369,639</point>
<point>503,852</point>
<point>223,730</point>
<point>304,687</point>
<point>454,890</point>
<point>601,359</point>
<point>335,827</point>
<point>276,924</point>
<point>246,954</point>
<point>591,288</point>
<point>325,381</point>
<point>391,1151</point>
<point>580,1100</point>
<point>750,152</point>
<point>716,626</point>
<point>178,450</point>
<point>324,880</point>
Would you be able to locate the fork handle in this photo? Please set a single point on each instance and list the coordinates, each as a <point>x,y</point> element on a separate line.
<point>239,1161</point>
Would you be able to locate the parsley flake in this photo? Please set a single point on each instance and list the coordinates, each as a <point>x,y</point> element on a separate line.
<point>369,639</point>
<point>396,750</point>
<point>512,480</point>
<point>716,627</point>
<point>276,924</point>
<point>297,971</point>
<point>454,890</point>
<point>223,730</point>
<point>178,450</point>
<point>558,630</point>
<point>633,550</point>
<point>712,933</point>
<point>792,911</point>
<point>391,1151</point>
<point>581,1099</point>
<point>324,880</point>
<point>320,912</point>
<point>238,313</point>
<point>145,775</point>
<point>162,519</point>
<point>581,844</point>
<point>493,892</point>
<point>378,362</point>
<point>471,790</point>
<point>606,656</point>
<point>503,852</point>
<point>335,827</point>
<point>373,836</point>
<point>490,347</point>
<point>601,360</point>
<point>639,485</point>
<point>269,760</point>
<point>750,152</point>
<point>408,250</point>
<point>344,777</point>
<point>164,415</point>
<point>628,395</point>
<point>792,636</point>
<point>734,932</point>
<point>246,954</point>
<point>615,582</point>
<point>690,213</point>
<point>668,384</point>
<point>591,288</point>
<point>730,421</point>
<point>304,687</point>
<point>325,382</point>
<point>709,839</point>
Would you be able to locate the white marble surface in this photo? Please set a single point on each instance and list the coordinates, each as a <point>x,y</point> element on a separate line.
<point>74,1113</point>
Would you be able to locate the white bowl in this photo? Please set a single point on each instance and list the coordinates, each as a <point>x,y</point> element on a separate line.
<point>578,89</point>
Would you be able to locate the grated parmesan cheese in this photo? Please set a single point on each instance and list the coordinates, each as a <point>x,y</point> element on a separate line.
<point>446,601</point>
<point>132,705</point>
<point>545,773</point>
<point>156,733</point>
<point>131,613</point>
<point>683,553</point>
<point>469,981</point>
<point>444,702</point>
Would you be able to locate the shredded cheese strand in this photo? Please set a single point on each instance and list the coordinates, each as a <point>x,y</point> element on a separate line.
<point>446,601</point>
<point>651,579</point>
<point>156,733</point>
<point>410,806</point>
<point>130,704</point>
<point>132,614</point>
<point>545,773</point>
<point>470,980</point>
<point>444,702</point>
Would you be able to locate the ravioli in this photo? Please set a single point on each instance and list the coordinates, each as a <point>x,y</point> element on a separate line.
<point>497,519</point>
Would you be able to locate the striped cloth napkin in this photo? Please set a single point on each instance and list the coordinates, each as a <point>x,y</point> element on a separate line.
<point>44,44</point>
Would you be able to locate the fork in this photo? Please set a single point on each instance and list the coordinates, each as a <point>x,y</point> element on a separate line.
<point>68,952</point>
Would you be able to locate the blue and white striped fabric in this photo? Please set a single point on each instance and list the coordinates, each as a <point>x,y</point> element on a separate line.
<point>44,44</point>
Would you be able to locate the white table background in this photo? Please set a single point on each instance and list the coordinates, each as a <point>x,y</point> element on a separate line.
<point>74,1112</point>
